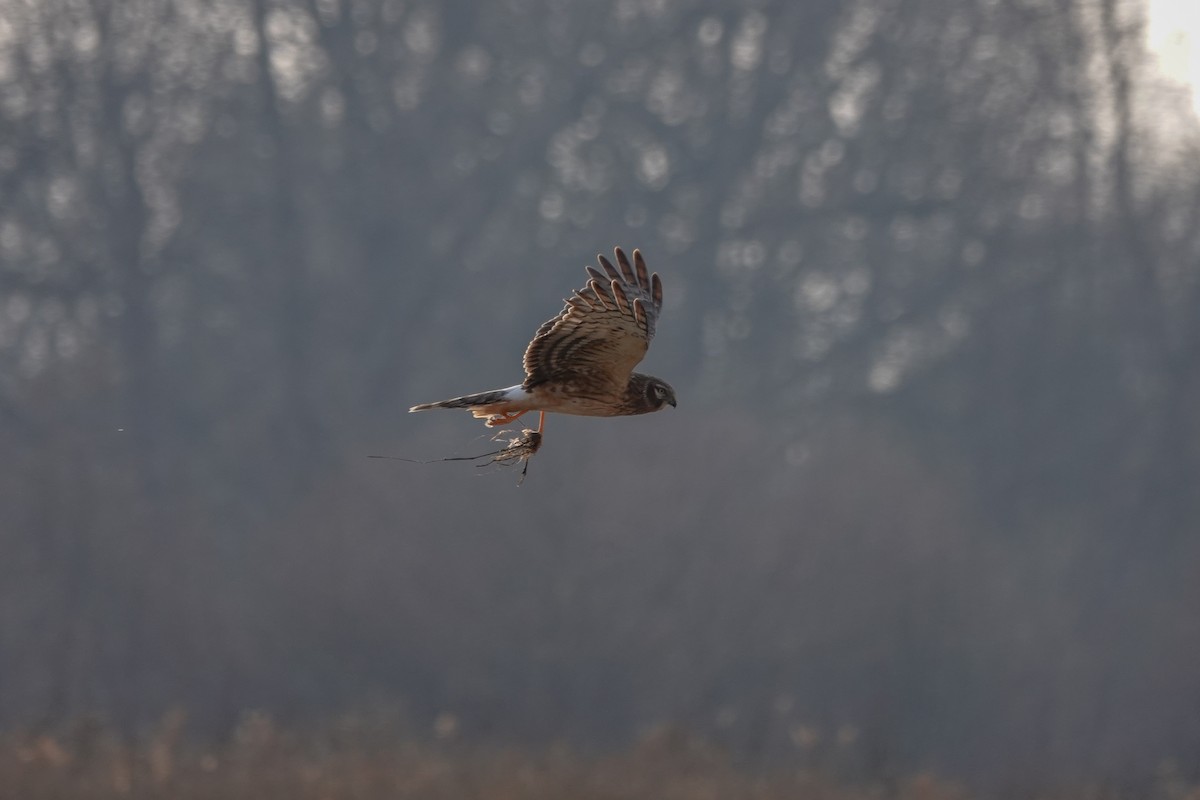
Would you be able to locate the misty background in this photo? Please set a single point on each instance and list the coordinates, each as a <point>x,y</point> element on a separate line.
<point>932,277</point>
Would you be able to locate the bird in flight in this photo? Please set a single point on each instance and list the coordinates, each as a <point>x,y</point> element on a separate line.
<point>581,361</point>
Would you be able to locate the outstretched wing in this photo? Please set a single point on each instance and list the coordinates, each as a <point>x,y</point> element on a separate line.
<point>603,331</point>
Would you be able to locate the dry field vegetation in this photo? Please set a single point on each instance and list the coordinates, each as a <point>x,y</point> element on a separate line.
<point>263,761</point>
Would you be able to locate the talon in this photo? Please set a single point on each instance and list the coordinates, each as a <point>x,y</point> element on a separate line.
<point>503,419</point>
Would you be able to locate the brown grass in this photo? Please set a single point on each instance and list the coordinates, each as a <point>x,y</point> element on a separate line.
<point>264,762</point>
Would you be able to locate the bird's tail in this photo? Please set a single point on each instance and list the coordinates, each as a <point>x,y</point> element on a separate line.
<point>471,400</point>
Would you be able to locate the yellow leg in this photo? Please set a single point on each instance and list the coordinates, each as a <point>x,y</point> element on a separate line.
<point>504,419</point>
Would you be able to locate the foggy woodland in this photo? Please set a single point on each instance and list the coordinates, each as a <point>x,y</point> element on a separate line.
<point>932,276</point>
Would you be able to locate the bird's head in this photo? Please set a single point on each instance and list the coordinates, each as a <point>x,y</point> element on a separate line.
<point>657,393</point>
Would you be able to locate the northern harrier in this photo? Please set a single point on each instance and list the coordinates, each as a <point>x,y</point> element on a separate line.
<point>581,362</point>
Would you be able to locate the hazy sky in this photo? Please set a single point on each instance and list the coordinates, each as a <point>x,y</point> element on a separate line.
<point>1174,34</point>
